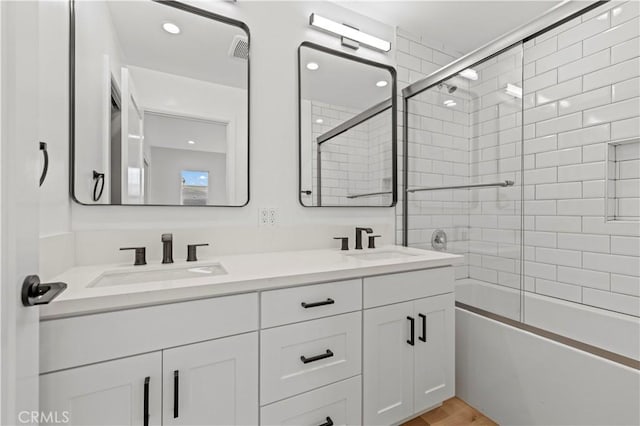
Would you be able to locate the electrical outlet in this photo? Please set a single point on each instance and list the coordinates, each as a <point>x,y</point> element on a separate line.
<point>263,216</point>
<point>273,216</point>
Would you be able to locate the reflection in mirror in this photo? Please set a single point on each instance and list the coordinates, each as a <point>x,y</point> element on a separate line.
<point>347,130</point>
<point>161,105</point>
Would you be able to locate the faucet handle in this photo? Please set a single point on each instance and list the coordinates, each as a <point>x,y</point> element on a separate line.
<point>191,251</point>
<point>140,255</point>
<point>372,241</point>
<point>345,242</point>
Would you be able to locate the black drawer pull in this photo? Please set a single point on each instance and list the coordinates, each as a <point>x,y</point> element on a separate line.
<point>411,340</point>
<point>176,387</point>
<point>145,413</point>
<point>423,338</point>
<point>329,422</point>
<point>306,360</point>
<point>329,301</point>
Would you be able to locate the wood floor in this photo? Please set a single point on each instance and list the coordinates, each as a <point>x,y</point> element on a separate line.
<point>453,412</point>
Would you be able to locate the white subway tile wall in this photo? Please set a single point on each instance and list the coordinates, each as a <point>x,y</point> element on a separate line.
<point>596,62</point>
<point>356,162</point>
<point>580,92</point>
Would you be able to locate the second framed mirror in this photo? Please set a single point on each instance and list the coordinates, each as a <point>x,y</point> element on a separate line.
<point>347,130</point>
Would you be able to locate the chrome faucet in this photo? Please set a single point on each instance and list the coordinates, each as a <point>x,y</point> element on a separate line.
<point>167,248</point>
<point>359,236</point>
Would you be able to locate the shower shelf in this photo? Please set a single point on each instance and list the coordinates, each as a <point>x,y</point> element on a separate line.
<point>473,185</point>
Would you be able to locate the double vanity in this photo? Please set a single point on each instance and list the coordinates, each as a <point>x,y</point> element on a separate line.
<point>318,337</point>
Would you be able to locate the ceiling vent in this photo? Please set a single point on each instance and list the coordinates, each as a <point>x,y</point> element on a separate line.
<point>239,47</point>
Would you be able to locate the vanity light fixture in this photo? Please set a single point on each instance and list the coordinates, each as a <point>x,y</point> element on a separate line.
<point>312,66</point>
<point>450,103</point>
<point>382,83</point>
<point>191,142</point>
<point>171,28</point>
<point>469,74</point>
<point>514,90</point>
<point>348,33</point>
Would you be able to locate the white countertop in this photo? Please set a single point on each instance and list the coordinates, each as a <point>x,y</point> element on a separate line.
<point>245,273</point>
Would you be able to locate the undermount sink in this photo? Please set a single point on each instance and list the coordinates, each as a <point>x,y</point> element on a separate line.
<point>381,255</point>
<point>132,276</point>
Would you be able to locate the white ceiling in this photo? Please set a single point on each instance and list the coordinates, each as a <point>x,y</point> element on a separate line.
<point>200,51</point>
<point>461,25</point>
<point>340,81</point>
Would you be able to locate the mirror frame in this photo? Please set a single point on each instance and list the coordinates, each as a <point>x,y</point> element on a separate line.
<point>72,101</point>
<point>394,120</point>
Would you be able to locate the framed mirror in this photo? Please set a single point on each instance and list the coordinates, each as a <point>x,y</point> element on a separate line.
<point>159,105</point>
<point>347,130</point>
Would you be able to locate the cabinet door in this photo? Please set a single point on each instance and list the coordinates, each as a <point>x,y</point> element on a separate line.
<point>212,383</point>
<point>108,393</point>
<point>434,350</point>
<point>387,364</point>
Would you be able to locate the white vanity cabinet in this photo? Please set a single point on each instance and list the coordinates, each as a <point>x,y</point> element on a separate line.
<point>211,383</point>
<point>119,392</point>
<point>408,351</point>
<point>372,350</point>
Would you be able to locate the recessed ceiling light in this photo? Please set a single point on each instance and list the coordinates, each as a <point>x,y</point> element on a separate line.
<point>191,142</point>
<point>312,66</point>
<point>382,83</point>
<point>469,74</point>
<point>171,28</point>
<point>319,121</point>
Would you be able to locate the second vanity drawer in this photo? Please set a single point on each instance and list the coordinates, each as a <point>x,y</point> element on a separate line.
<point>300,357</point>
<point>339,403</point>
<point>310,302</point>
<point>393,288</point>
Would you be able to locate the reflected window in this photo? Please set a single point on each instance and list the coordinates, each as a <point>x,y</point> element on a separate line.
<point>194,188</point>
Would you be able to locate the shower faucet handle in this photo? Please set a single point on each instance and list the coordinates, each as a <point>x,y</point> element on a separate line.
<point>345,242</point>
<point>372,241</point>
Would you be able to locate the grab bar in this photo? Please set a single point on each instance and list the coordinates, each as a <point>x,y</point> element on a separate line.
<point>369,194</point>
<point>475,185</point>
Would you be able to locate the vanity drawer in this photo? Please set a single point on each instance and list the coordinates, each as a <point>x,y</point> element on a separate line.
<point>299,357</point>
<point>394,288</point>
<point>339,402</point>
<point>310,302</point>
<point>70,342</point>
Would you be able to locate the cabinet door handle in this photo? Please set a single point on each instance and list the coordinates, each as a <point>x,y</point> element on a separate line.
<point>329,301</point>
<point>176,387</point>
<point>423,338</point>
<point>145,413</point>
<point>412,331</point>
<point>306,360</point>
<point>329,422</point>
<point>45,167</point>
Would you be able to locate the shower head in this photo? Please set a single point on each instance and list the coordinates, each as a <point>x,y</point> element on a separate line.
<point>450,88</point>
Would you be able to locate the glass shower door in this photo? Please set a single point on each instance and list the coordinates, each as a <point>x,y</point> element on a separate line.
<point>465,191</point>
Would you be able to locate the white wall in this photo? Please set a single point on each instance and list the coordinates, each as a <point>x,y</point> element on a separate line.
<point>172,94</point>
<point>164,177</point>
<point>274,141</point>
<point>518,378</point>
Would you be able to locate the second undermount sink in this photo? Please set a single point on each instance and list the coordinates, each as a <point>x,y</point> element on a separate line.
<point>133,276</point>
<point>381,255</point>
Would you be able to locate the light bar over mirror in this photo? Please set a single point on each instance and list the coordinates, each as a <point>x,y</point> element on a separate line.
<point>348,32</point>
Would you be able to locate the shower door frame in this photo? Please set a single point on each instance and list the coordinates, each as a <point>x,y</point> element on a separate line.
<point>554,17</point>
